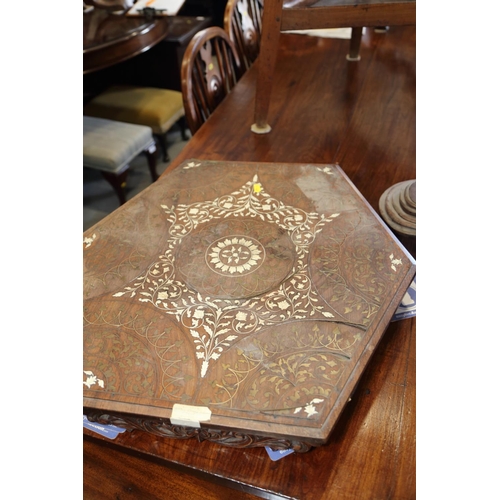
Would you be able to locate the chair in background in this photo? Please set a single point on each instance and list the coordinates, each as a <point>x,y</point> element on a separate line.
<point>281,15</point>
<point>109,146</point>
<point>243,23</point>
<point>156,108</point>
<point>210,69</point>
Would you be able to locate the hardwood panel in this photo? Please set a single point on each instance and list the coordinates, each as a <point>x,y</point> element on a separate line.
<point>110,474</point>
<point>406,478</point>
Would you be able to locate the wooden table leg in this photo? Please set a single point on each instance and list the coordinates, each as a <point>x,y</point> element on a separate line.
<point>271,30</point>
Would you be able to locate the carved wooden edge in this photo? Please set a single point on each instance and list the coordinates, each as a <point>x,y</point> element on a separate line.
<point>163,428</point>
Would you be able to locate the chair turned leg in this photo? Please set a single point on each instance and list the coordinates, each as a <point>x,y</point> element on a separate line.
<point>355,44</point>
<point>151,157</point>
<point>118,183</point>
<point>162,139</point>
<point>184,127</point>
<point>266,62</point>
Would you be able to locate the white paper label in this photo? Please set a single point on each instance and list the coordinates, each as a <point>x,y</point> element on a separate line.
<point>189,416</point>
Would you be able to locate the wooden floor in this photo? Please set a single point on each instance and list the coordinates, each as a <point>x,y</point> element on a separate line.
<point>373,139</point>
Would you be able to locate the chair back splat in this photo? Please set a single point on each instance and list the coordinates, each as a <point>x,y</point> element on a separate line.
<point>243,23</point>
<point>210,69</point>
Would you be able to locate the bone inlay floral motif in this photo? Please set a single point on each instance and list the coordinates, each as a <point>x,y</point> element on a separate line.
<point>215,323</point>
<point>234,255</point>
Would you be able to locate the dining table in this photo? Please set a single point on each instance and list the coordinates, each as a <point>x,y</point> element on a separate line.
<point>110,38</point>
<point>325,110</point>
<point>135,50</point>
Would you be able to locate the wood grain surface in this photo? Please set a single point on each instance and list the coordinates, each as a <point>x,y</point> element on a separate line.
<point>324,110</point>
<point>316,15</point>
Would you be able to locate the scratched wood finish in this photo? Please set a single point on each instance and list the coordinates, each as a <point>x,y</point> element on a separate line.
<point>366,121</point>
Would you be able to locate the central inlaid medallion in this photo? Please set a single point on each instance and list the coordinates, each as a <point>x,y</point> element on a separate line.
<point>235,258</point>
<point>237,255</point>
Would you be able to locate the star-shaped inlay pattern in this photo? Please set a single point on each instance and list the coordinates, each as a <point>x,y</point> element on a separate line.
<point>247,302</point>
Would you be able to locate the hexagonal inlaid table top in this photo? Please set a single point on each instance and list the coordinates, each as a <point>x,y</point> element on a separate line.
<point>237,302</point>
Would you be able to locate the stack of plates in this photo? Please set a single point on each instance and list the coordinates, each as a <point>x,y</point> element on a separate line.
<point>398,207</point>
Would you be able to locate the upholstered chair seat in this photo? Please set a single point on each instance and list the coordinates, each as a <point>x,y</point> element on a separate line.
<point>156,108</point>
<point>110,146</point>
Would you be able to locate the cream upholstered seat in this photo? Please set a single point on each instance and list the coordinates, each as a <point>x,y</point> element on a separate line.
<point>109,146</point>
<point>156,108</point>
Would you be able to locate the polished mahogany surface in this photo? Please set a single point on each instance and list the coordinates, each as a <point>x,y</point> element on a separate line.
<point>325,110</point>
<point>110,38</point>
<point>121,50</point>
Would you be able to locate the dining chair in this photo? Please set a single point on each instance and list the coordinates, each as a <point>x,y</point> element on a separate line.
<point>286,15</point>
<point>210,69</point>
<point>243,23</point>
<point>152,107</point>
<point>109,146</point>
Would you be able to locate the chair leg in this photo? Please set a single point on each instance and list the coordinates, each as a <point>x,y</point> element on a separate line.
<point>162,139</point>
<point>355,44</point>
<point>151,157</point>
<point>118,183</point>
<point>184,127</point>
<point>266,62</point>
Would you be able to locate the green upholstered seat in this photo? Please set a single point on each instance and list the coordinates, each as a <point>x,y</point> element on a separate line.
<point>109,146</point>
<point>156,108</point>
